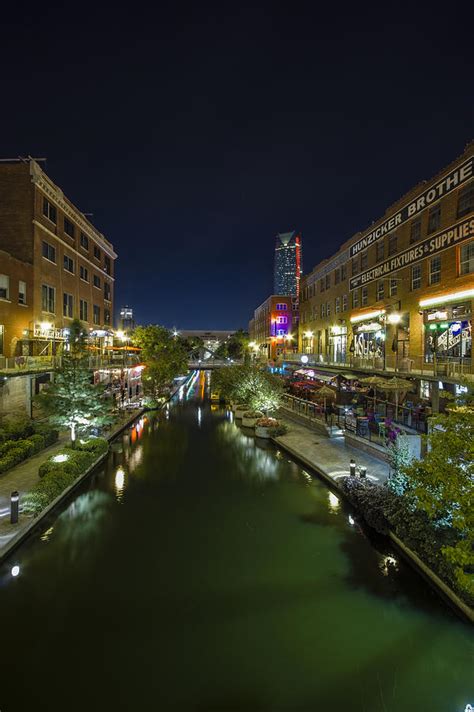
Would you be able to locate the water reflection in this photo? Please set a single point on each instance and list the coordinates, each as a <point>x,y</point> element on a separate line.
<point>334,503</point>
<point>248,461</point>
<point>119,483</point>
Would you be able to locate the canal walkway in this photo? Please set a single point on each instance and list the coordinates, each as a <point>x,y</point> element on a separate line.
<point>328,456</point>
<point>25,475</point>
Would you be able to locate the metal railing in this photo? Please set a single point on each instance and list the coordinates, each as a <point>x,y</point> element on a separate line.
<point>18,364</point>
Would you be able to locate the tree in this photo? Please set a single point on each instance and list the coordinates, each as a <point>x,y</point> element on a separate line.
<point>164,356</point>
<point>72,401</point>
<point>442,485</point>
<point>249,384</point>
<point>235,347</point>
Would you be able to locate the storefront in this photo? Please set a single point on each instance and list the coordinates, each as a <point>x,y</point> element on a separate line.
<point>448,333</point>
<point>368,342</point>
<point>338,344</point>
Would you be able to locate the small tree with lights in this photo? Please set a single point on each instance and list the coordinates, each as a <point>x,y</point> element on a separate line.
<point>164,356</point>
<point>72,401</point>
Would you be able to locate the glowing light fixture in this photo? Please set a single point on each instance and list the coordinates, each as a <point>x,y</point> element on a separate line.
<point>394,318</point>
<point>367,315</point>
<point>60,458</point>
<point>46,326</point>
<point>308,334</point>
<point>15,570</point>
<point>451,297</point>
<point>304,359</point>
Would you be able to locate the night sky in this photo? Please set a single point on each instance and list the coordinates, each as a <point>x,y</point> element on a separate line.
<point>194,134</point>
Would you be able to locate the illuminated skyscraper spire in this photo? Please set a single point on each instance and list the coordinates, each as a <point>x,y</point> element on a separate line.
<point>288,263</point>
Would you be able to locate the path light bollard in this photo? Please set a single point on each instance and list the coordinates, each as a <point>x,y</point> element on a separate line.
<point>352,468</point>
<point>14,507</point>
<point>362,471</point>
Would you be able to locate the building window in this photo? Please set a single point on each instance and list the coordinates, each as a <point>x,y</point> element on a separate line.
<point>415,230</point>
<point>466,262</point>
<point>379,251</point>
<point>416,277</point>
<point>96,315</point>
<point>279,307</point>
<point>355,265</point>
<point>83,308</point>
<point>380,290</point>
<point>282,320</point>
<point>84,242</point>
<point>355,298</point>
<point>364,296</point>
<point>21,292</point>
<point>393,286</point>
<point>343,272</point>
<point>364,260</point>
<point>67,305</point>
<point>328,281</point>
<point>344,302</point>
<point>96,281</point>
<point>107,291</point>
<point>337,276</point>
<point>97,252</point>
<point>323,311</point>
<point>106,317</point>
<point>435,270</point>
<point>4,286</point>
<point>84,273</point>
<point>69,227</point>
<point>107,267</point>
<point>466,200</point>
<point>434,218</point>
<point>338,305</point>
<point>328,309</point>
<point>392,245</point>
<point>321,285</point>
<point>48,299</point>
<point>68,264</point>
<point>49,211</point>
<point>49,252</point>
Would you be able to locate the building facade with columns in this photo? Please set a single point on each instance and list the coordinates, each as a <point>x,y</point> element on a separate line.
<point>399,295</point>
<point>54,264</point>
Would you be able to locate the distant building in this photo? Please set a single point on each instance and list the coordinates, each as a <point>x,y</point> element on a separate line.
<point>288,263</point>
<point>273,330</point>
<point>127,322</point>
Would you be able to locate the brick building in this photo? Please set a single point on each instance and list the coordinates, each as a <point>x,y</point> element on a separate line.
<point>399,295</point>
<point>273,329</point>
<point>54,264</point>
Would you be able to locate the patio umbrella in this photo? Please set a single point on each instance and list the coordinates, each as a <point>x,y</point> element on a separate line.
<point>325,392</point>
<point>397,385</point>
<point>375,381</point>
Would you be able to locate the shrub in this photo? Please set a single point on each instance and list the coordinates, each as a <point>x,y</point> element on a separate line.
<point>77,462</point>
<point>371,500</point>
<point>18,427</point>
<point>49,434</point>
<point>37,441</point>
<point>253,414</point>
<point>96,446</point>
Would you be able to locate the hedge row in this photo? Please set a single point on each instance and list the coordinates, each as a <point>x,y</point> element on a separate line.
<point>383,510</point>
<point>56,476</point>
<point>12,452</point>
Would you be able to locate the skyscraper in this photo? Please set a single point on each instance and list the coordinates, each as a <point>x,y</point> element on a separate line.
<point>288,263</point>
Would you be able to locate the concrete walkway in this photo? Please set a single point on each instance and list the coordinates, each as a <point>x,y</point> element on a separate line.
<point>329,456</point>
<point>25,475</point>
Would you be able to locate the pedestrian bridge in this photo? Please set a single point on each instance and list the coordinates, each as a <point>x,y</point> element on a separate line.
<point>206,364</point>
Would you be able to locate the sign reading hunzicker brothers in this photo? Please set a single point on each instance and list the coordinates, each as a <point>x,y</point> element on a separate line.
<point>459,232</point>
<point>449,182</point>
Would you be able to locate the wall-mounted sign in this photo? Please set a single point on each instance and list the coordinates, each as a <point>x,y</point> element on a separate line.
<point>423,200</point>
<point>456,234</point>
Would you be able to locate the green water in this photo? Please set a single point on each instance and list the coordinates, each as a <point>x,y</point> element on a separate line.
<point>202,570</point>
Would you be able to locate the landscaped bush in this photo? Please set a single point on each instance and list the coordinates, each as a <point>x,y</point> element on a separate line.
<point>12,452</point>
<point>49,434</point>
<point>272,424</point>
<point>55,476</point>
<point>253,414</point>
<point>371,500</point>
<point>18,427</point>
<point>38,442</point>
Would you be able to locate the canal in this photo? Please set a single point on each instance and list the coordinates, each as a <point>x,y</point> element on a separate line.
<point>199,569</point>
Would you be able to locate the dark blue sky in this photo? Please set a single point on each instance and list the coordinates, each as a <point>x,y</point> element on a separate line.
<point>194,134</point>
